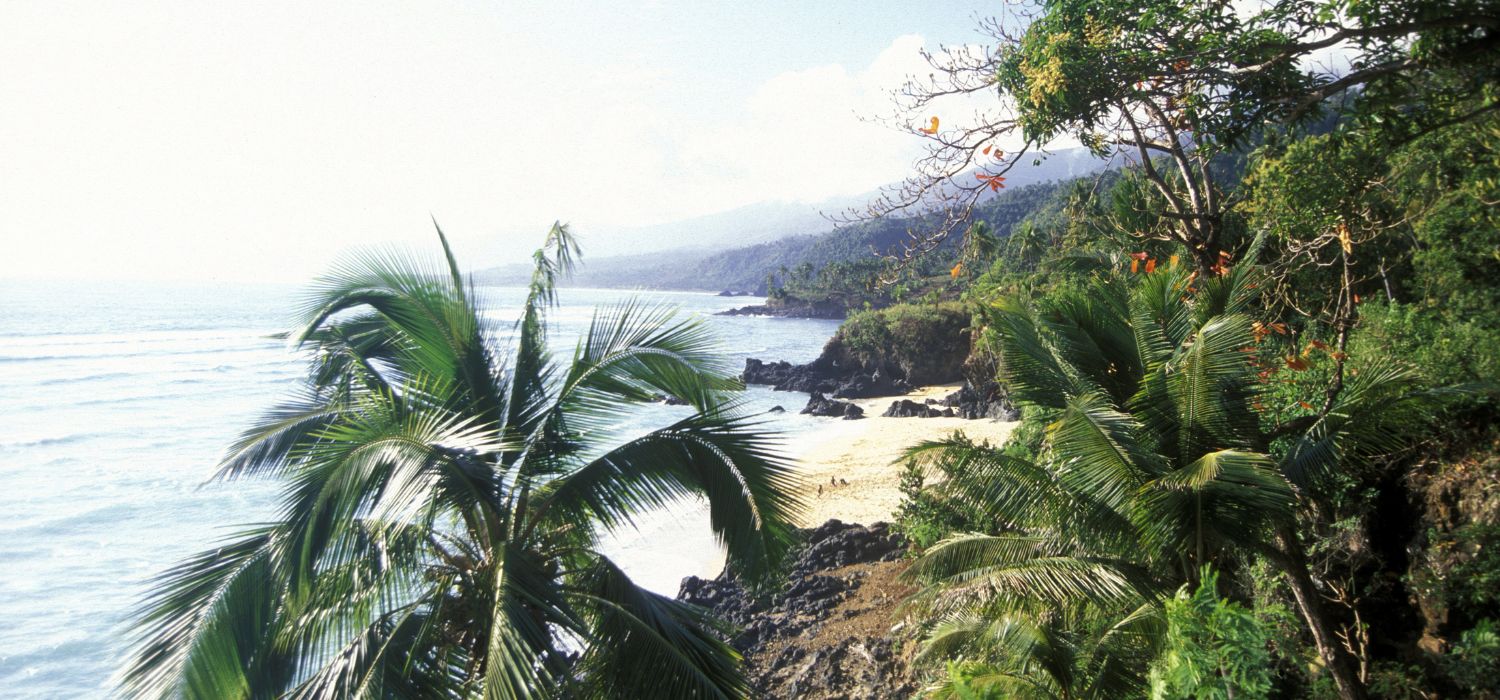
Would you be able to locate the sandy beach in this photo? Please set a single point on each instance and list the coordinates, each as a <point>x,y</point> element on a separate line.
<point>862,453</point>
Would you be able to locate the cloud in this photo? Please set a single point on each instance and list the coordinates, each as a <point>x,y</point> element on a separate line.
<point>175,139</point>
<point>807,135</point>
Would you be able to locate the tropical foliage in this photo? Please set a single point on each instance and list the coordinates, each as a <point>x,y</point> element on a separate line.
<point>1158,462</point>
<point>442,504</point>
<point>1226,352</point>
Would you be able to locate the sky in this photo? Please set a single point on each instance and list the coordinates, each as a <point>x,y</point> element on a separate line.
<point>260,141</point>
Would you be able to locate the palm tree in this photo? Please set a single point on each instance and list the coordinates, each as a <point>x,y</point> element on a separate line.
<point>979,247</point>
<point>441,507</point>
<point>1157,463</point>
<point>1068,652</point>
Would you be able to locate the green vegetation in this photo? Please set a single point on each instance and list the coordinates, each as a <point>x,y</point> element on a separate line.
<point>1259,452</point>
<point>1233,357</point>
<point>441,508</point>
<point>1213,648</point>
<point>844,265</point>
<point>923,343</point>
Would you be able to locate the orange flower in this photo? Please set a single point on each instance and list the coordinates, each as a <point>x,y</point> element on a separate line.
<point>932,127</point>
<point>1305,405</point>
<point>1151,266</point>
<point>1172,261</point>
<point>956,269</point>
<point>1135,266</point>
<point>994,181</point>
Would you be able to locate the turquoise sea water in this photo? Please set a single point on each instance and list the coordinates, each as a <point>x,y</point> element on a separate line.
<point>116,401</point>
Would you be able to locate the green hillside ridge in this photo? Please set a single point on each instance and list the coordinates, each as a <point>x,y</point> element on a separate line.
<point>747,269</point>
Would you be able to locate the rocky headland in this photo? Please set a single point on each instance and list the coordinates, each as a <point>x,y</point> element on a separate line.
<point>799,309</point>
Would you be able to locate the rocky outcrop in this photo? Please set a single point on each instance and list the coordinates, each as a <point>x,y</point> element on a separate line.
<point>987,402</point>
<point>824,310</point>
<point>785,376</point>
<point>827,633</point>
<point>822,377</point>
<point>868,386</point>
<point>906,408</point>
<point>872,356</point>
<point>919,344</point>
<point>1454,543</point>
<point>820,405</point>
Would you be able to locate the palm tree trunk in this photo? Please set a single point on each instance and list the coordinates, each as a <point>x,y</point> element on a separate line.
<point>1293,563</point>
<point>1198,516</point>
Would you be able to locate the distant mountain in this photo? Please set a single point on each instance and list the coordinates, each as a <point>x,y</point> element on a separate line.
<point>736,249</point>
<point>747,225</point>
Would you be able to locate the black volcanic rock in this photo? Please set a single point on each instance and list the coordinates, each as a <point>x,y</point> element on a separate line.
<point>820,405</point>
<point>869,386</point>
<point>822,377</point>
<point>986,402</point>
<point>824,310</point>
<point>767,622</point>
<point>785,376</point>
<point>906,408</point>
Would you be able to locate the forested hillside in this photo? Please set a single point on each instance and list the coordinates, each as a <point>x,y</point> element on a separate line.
<point>1256,368</point>
<point>747,269</point>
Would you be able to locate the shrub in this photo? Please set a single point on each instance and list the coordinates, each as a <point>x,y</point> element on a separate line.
<point>1214,648</point>
<point>923,343</point>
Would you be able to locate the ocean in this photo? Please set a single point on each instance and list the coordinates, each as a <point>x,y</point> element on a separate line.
<point>117,400</point>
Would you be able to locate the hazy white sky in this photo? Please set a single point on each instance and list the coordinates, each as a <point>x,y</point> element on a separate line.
<point>258,140</point>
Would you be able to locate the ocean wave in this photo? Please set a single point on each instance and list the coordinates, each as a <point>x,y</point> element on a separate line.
<point>163,352</point>
<point>69,439</point>
<point>85,378</point>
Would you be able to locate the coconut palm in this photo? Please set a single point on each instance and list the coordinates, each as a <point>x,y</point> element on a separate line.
<point>1065,653</point>
<point>1158,462</point>
<point>442,504</point>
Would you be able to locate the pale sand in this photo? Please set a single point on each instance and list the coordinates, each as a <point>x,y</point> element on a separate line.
<point>863,453</point>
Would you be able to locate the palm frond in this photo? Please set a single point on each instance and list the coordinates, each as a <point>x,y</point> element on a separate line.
<point>268,445</point>
<point>1006,565</point>
<point>1095,450</point>
<point>748,485</point>
<point>1031,368</point>
<point>1383,407</point>
<point>1209,383</point>
<point>644,645</point>
<point>207,624</point>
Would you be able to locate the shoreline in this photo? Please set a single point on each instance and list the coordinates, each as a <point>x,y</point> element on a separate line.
<point>862,453</point>
<point>662,547</point>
